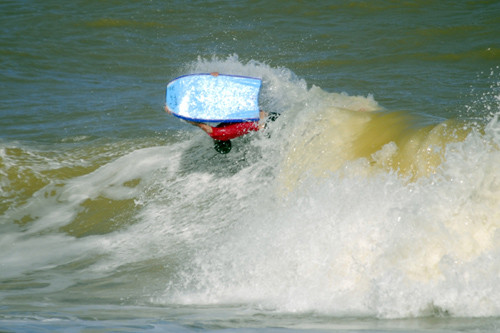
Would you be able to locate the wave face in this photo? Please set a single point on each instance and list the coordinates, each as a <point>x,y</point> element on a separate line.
<point>339,207</point>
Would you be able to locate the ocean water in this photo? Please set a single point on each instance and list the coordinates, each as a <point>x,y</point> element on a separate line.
<point>372,204</point>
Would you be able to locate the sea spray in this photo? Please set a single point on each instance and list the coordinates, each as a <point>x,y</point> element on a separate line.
<point>363,245</point>
<point>360,235</point>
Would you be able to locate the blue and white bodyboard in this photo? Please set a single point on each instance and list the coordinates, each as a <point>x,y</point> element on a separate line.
<point>208,98</point>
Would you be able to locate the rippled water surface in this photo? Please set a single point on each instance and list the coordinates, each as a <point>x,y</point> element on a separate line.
<point>371,204</point>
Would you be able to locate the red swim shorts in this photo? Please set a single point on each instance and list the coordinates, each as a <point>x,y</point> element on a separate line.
<point>233,130</point>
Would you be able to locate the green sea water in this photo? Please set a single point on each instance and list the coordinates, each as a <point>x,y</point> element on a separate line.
<point>371,204</point>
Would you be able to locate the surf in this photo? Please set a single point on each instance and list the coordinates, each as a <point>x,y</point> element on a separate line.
<point>339,208</point>
<point>369,212</point>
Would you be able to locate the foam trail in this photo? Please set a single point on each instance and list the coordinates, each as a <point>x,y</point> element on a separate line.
<point>58,207</point>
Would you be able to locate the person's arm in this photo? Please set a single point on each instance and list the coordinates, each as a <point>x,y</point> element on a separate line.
<point>205,127</point>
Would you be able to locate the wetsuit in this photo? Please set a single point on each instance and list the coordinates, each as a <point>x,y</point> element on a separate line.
<point>228,131</point>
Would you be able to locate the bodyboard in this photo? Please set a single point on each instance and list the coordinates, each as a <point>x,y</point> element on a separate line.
<point>209,98</point>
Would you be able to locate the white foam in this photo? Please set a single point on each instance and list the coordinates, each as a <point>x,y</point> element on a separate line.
<point>356,245</point>
<point>354,242</point>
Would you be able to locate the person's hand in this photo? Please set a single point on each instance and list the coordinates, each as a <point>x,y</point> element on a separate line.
<point>167,110</point>
<point>262,119</point>
<point>214,74</point>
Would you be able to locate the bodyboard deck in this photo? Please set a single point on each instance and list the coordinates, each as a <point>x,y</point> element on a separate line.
<point>208,98</point>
